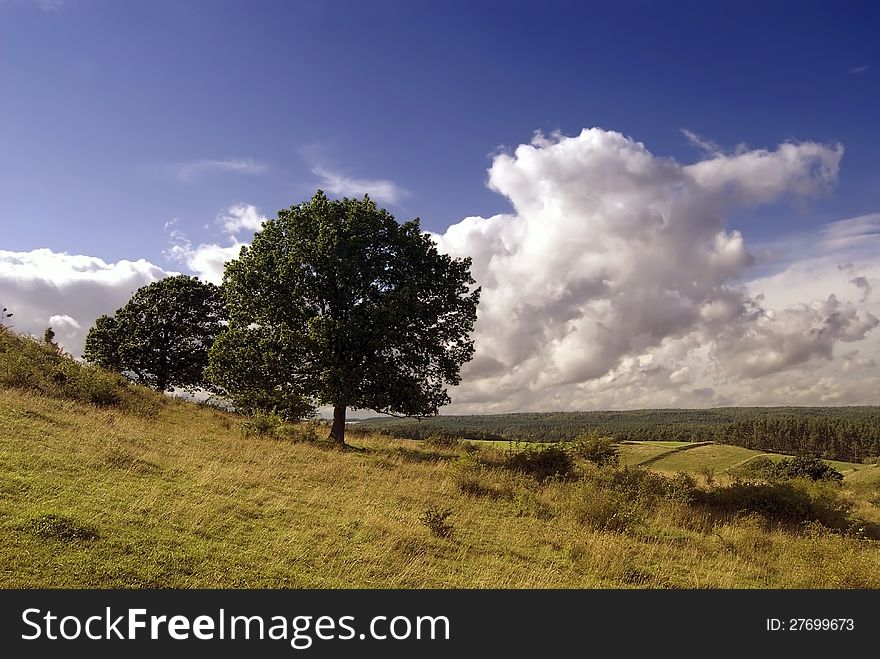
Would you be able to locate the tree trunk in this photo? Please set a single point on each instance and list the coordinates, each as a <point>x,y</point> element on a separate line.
<point>337,431</point>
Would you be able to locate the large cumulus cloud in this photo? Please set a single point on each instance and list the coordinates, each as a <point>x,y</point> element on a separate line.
<point>615,281</point>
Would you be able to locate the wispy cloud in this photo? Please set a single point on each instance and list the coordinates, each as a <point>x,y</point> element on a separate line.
<point>700,142</point>
<point>187,171</point>
<point>50,5</point>
<point>858,69</point>
<point>339,184</point>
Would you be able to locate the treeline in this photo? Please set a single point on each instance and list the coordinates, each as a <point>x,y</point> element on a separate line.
<point>833,438</point>
<point>841,433</point>
<point>664,424</point>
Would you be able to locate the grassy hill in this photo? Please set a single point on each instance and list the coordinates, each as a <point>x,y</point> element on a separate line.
<point>132,489</point>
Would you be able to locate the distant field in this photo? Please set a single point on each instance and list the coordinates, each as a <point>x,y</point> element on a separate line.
<point>716,457</point>
<point>843,433</point>
<point>668,456</point>
<point>635,453</point>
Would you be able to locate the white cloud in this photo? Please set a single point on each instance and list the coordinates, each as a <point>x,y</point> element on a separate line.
<point>708,146</point>
<point>852,232</point>
<point>614,281</point>
<point>207,260</point>
<point>188,171</point>
<point>759,176</point>
<point>67,291</point>
<point>241,217</point>
<point>348,186</point>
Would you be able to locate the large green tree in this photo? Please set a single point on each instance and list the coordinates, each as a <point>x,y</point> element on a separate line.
<point>161,337</point>
<point>336,303</point>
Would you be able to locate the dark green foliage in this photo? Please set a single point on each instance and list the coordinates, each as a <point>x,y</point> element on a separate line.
<point>786,502</point>
<point>262,424</point>
<point>599,450</point>
<point>58,527</point>
<point>435,519</point>
<point>848,433</point>
<point>161,337</point>
<point>335,303</point>
<point>542,463</point>
<point>270,424</point>
<point>797,467</point>
<point>811,468</point>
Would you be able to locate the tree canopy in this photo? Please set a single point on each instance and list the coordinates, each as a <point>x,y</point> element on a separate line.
<point>336,303</point>
<point>161,337</point>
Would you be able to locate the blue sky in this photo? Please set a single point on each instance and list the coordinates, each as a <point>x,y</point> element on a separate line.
<point>102,99</point>
<point>128,128</point>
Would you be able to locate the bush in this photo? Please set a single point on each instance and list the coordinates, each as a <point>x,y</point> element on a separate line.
<point>792,502</point>
<point>599,450</point>
<point>607,510</point>
<point>435,519</point>
<point>263,424</point>
<point>300,432</point>
<point>542,463</point>
<point>813,469</point>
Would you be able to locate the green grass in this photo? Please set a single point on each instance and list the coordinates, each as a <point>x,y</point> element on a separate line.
<point>717,457</point>
<point>183,500</point>
<point>634,453</point>
<point>178,496</point>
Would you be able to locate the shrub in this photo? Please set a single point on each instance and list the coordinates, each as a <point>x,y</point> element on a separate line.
<point>300,432</point>
<point>596,449</point>
<point>810,468</point>
<point>435,519</point>
<point>262,424</point>
<point>542,463</point>
<point>681,488</point>
<point>607,510</point>
<point>791,502</point>
<point>760,467</point>
<point>646,486</point>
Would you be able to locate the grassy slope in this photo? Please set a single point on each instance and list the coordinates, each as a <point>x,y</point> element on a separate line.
<point>103,484</point>
<point>181,498</point>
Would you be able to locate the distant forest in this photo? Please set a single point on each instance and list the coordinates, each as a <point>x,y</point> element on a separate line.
<point>838,433</point>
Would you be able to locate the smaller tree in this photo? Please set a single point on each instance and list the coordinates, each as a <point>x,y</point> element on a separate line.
<point>161,337</point>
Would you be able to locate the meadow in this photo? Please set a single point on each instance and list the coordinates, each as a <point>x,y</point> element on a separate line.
<point>139,490</point>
